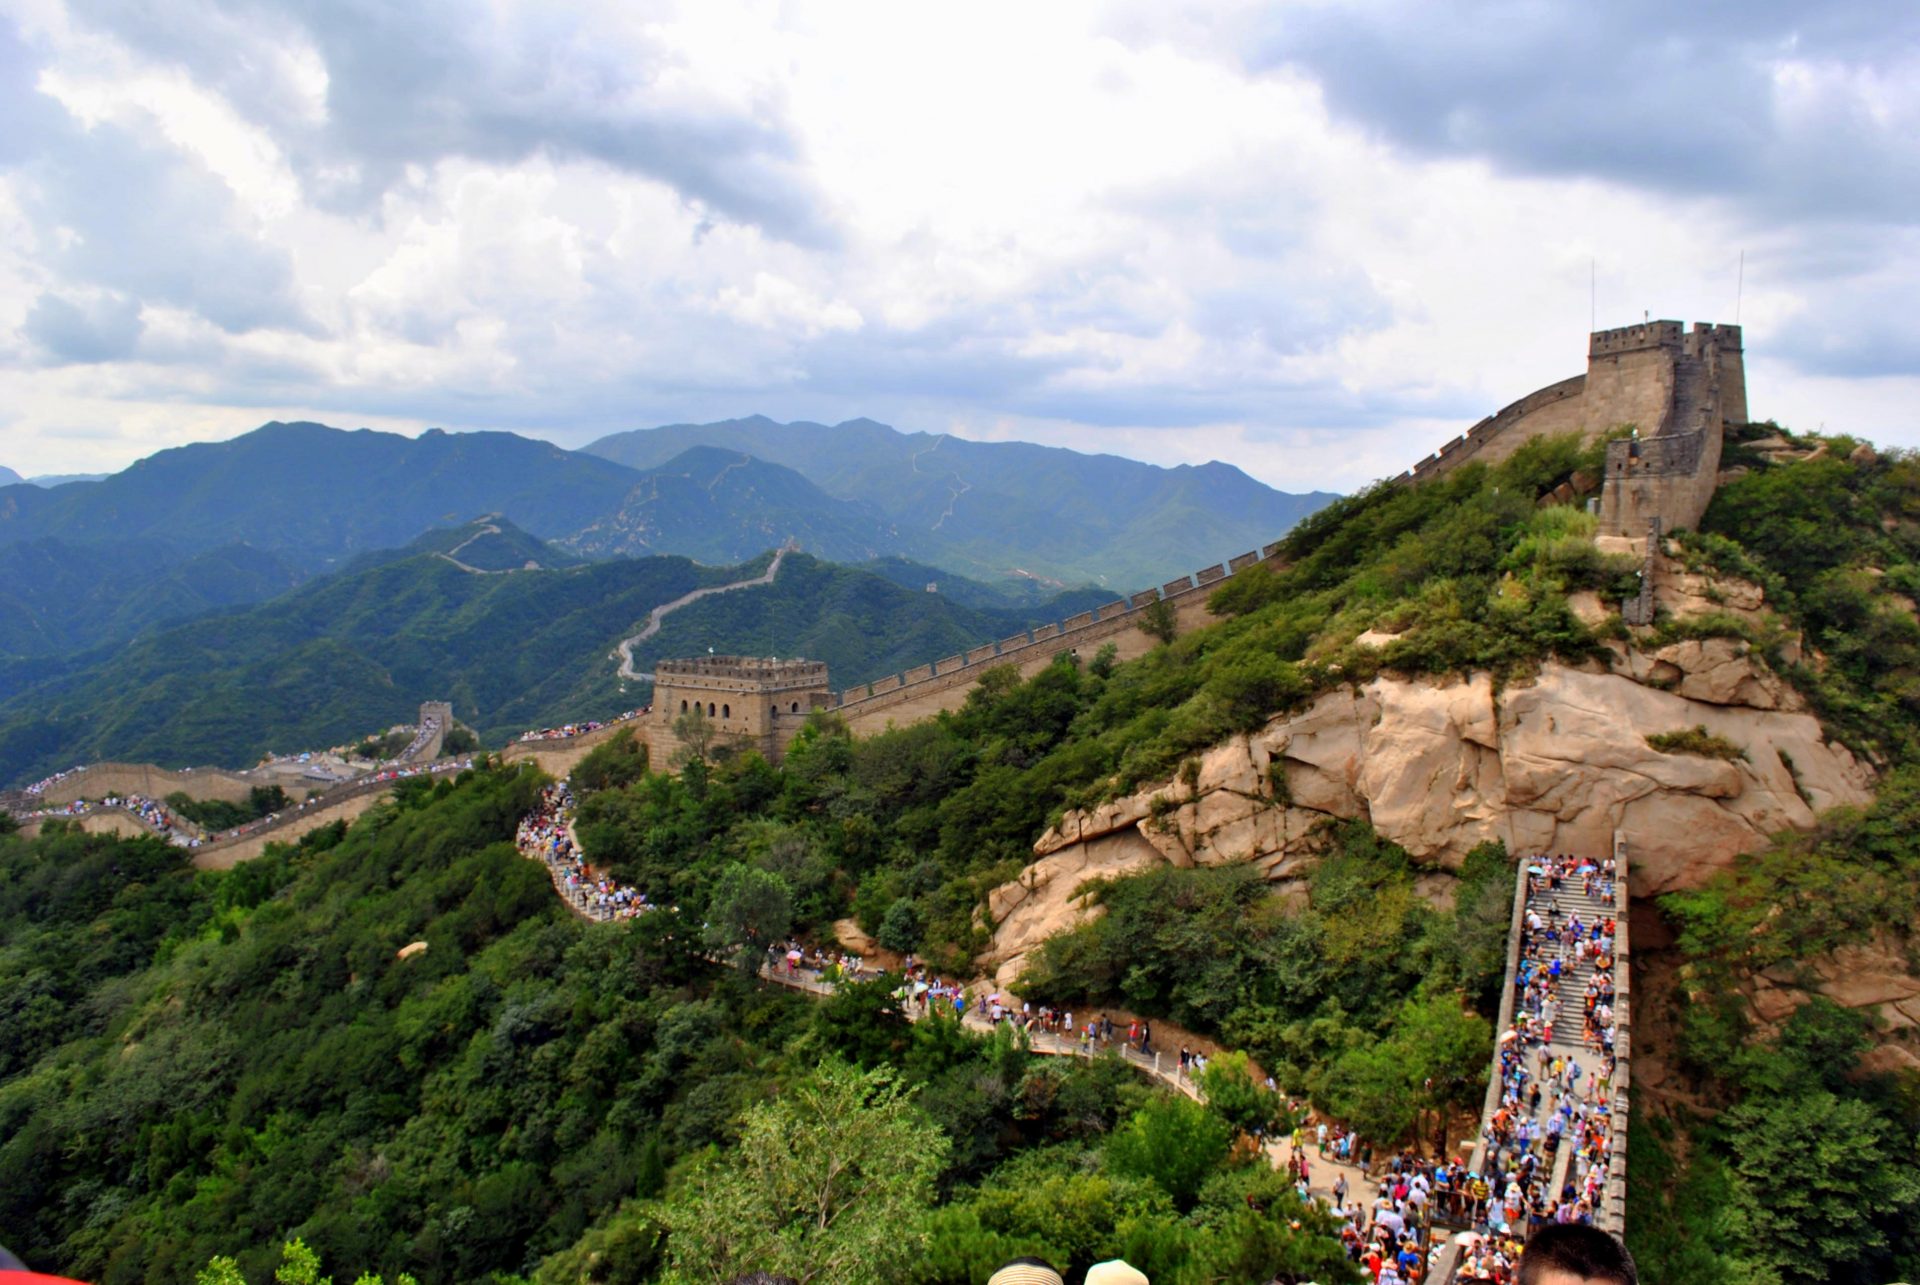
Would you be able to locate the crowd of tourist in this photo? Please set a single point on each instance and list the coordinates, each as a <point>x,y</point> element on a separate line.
<point>1549,1142</point>
<point>546,834</point>
<point>566,730</point>
<point>152,813</point>
<point>45,783</point>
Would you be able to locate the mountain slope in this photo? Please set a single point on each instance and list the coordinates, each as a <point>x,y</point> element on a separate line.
<point>999,508</point>
<point>57,597</point>
<point>360,649</point>
<point>722,506</point>
<point>318,493</point>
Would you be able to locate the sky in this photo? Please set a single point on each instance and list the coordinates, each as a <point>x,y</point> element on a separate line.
<point>1314,240</point>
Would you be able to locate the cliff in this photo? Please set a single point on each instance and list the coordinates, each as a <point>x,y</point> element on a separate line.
<point>1559,763</point>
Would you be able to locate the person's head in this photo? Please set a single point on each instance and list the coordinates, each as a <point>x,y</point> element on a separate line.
<point>1574,1254</point>
<point>1026,1270</point>
<point>1115,1271</point>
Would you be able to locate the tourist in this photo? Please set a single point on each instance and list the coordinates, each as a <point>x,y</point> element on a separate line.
<point>1570,1254</point>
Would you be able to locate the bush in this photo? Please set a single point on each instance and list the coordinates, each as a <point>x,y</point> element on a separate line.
<point>1697,740</point>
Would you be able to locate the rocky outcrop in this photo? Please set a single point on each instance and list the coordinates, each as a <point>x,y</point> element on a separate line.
<point>1877,975</point>
<point>1557,764</point>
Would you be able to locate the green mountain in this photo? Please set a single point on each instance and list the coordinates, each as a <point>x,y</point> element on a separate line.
<point>317,494</point>
<point>1000,509</point>
<point>512,649</point>
<point>489,543</point>
<point>717,505</point>
<point>57,597</point>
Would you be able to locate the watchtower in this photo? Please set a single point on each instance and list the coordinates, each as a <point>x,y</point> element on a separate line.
<point>1669,474</point>
<point>748,700</point>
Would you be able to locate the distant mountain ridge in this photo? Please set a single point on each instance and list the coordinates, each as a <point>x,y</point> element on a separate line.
<point>93,563</point>
<point>360,648</point>
<point>993,509</point>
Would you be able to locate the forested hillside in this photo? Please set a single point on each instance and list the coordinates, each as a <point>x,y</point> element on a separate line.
<point>361,649</point>
<point>534,1095</point>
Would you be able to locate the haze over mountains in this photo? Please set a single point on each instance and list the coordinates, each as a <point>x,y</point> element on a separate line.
<point>989,507</point>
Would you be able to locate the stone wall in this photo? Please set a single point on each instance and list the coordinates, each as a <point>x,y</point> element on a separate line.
<point>900,699</point>
<point>98,780</point>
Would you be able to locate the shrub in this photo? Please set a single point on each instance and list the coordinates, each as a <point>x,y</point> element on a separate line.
<point>1697,740</point>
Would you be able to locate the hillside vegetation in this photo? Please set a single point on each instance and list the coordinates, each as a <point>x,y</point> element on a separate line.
<point>360,649</point>
<point>533,1095</point>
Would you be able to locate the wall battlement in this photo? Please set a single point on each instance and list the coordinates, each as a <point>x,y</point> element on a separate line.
<point>1653,334</point>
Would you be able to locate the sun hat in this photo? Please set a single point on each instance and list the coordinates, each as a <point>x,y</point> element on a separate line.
<point>1116,1272</point>
<point>1025,1272</point>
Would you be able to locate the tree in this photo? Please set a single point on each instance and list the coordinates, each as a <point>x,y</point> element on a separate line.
<point>1158,620</point>
<point>751,907</point>
<point>618,763</point>
<point>1174,1141</point>
<point>1242,1102</point>
<point>830,1182</point>
<point>900,929</point>
<point>695,732</point>
<point>1821,1181</point>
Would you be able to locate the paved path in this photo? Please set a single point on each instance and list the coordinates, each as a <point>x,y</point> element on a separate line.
<point>659,613</point>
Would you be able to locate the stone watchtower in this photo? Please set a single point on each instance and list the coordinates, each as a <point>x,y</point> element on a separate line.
<point>1698,380</point>
<point>750,701</point>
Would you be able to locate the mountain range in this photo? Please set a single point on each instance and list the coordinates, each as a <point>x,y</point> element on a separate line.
<point>216,525</point>
<point>994,509</point>
<point>524,645</point>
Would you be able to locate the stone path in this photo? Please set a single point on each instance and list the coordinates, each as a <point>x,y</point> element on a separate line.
<point>660,613</point>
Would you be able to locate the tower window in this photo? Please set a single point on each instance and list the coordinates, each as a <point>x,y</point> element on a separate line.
<point>796,707</point>
<point>709,709</point>
<point>726,711</point>
<point>683,707</point>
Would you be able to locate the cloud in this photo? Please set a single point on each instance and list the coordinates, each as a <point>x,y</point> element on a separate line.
<point>78,331</point>
<point>388,87</point>
<point>1315,241</point>
<point>119,212</point>
<point>1799,108</point>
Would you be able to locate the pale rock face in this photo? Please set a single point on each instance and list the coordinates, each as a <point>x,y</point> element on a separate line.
<point>1557,764</point>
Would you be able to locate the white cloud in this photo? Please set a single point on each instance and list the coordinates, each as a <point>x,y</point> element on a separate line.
<point>1239,232</point>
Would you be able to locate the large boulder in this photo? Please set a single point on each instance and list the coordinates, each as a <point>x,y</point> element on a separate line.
<point>1560,763</point>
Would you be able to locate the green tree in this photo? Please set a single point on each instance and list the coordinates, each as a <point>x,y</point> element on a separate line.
<point>695,732</point>
<point>751,908</point>
<point>900,929</point>
<point>220,1270</point>
<point>830,1182</point>
<point>1159,621</point>
<point>1244,1103</point>
<point>1822,1181</point>
<point>1174,1141</point>
<point>618,763</point>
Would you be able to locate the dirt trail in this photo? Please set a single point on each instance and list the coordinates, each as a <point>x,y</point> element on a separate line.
<point>659,613</point>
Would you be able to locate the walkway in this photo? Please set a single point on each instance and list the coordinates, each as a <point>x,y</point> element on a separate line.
<point>1556,1113</point>
<point>659,613</point>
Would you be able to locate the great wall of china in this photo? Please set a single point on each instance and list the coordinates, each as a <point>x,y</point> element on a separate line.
<point>1685,387</point>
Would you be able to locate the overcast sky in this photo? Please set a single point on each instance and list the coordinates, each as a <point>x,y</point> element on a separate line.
<point>1311,239</point>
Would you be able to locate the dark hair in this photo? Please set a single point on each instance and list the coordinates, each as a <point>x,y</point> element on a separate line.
<point>1578,1250</point>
